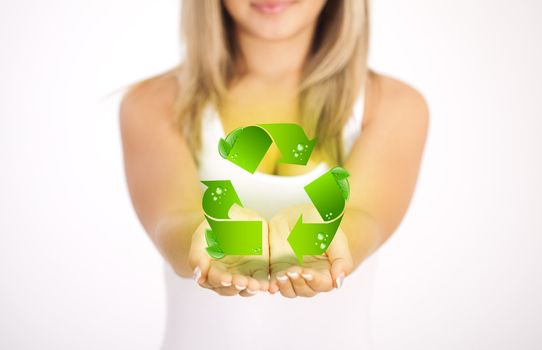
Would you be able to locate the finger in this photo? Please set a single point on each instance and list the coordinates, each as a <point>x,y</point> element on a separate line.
<point>273,285</point>
<point>252,288</point>
<point>278,277</point>
<point>226,291</point>
<point>262,276</point>
<point>299,285</point>
<point>223,291</point>
<point>285,286</point>
<point>319,281</point>
<point>218,277</point>
<point>239,282</point>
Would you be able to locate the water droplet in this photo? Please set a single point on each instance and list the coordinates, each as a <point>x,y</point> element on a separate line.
<point>320,236</point>
<point>214,198</point>
<point>296,155</point>
<point>306,146</point>
<point>300,147</point>
<point>322,246</point>
<point>219,190</point>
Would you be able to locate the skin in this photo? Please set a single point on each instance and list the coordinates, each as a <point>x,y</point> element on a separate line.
<point>164,185</point>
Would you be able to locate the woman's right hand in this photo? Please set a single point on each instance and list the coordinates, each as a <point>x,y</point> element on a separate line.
<point>231,275</point>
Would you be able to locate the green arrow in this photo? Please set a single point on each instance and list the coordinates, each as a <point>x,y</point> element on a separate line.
<point>246,147</point>
<point>249,148</point>
<point>237,237</point>
<point>294,146</point>
<point>219,198</point>
<point>312,238</point>
<point>228,237</point>
<point>328,194</point>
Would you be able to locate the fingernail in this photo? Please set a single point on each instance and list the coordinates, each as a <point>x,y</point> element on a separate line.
<point>340,280</point>
<point>197,274</point>
<point>307,276</point>
<point>239,287</point>
<point>225,284</point>
<point>251,291</point>
<point>282,278</point>
<point>293,275</point>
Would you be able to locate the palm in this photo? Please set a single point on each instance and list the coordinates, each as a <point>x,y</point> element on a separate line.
<point>282,255</point>
<point>222,275</point>
<point>277,269</point>
<point>283,260</point>
<point>255,266</point>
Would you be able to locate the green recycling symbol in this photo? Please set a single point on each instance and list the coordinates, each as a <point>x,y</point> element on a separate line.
<point>246,147</point>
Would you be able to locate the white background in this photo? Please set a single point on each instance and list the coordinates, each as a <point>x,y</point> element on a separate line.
<point>462,272</point>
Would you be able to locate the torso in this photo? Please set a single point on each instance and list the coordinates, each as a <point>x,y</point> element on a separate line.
<point>194,313</point>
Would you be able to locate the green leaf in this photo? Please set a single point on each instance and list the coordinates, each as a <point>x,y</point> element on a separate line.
<point>232,136</point>
<point>224,148</point>
<point>341,176</point>
<point>210,238</point>
<point>215,252</point>
<point>213,248</point>
<point>340,173</point>
<point>344,186</point>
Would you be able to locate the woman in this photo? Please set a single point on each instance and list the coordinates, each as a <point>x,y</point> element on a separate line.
<point>271,61</point>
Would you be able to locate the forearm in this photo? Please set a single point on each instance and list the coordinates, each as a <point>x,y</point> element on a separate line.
<point>363,232</point>
<point>173,236</point>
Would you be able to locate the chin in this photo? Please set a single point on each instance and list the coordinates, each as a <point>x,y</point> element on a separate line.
<point>274,19</point>
<point>273,32</point>
<point>275,27</point>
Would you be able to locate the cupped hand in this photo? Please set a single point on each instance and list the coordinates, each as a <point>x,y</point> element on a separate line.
<point>231,275</point>
<point>317,273</point>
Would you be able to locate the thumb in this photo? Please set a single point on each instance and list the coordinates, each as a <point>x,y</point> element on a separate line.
<point>340,258</point>
<point>339,270</point>
<point>198,259</point>
<point>200,263</point>
<point>238,212</point>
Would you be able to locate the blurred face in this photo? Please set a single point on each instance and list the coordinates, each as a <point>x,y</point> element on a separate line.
<point>274,19</point>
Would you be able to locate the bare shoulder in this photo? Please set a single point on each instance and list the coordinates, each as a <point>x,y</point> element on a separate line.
<point>392,100</point>
<point>150,100</point>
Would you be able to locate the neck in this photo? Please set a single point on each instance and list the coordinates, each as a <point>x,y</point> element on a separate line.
<point>274,59</point>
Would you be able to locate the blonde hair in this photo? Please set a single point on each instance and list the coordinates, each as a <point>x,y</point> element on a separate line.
<point>335,71</point>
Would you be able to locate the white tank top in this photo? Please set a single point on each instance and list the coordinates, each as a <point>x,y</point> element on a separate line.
<point>198,318</point>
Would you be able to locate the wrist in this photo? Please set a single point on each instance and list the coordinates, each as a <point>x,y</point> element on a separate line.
<point>363,233</point>
<point>173,237</point>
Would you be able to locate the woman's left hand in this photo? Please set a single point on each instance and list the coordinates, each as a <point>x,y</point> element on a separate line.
<point>318,273</point>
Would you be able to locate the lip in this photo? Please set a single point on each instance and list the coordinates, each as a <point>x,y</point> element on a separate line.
<point>272,7</point>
